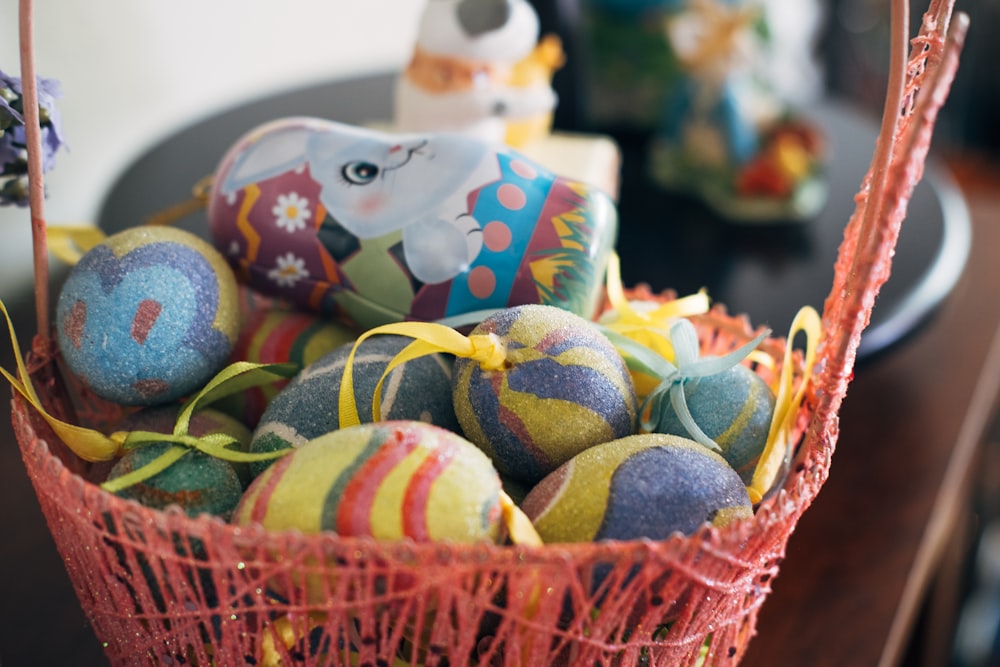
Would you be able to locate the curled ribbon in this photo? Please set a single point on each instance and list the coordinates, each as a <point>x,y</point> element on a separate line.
<point>787,404</point>
<point>86,443</point>
<point>623,312</point>
<point>650,327</point>
<point>430,338</point>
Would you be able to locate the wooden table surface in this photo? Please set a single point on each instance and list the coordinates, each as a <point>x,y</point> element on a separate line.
<point>862,558</point>
<point>859,564</point>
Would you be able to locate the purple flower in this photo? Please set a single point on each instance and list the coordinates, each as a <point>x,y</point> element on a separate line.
<point>13,151</point>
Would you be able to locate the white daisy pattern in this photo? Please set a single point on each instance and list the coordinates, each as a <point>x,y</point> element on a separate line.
<point>289,270</point>
<point>291,212</point>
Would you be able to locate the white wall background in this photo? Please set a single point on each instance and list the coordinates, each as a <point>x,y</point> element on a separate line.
<point>133,71</point>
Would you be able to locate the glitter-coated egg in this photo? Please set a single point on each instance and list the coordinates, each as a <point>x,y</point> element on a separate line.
<point>307,408</point>
<point>148,315</point>
<point>642,486</point>
<point>733,408</point>
<point>564,388</point>
<point>161,419</point>
<point>279,334</point>
<point>197,482</point>
<point>391,480</point>
<point>381,227</point>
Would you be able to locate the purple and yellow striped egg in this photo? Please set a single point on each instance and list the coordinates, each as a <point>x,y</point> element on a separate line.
<point>643,486</point>
<point>279,334</point>
<point>563,388</point>
<point>148,315</point>
<point>391,480</point>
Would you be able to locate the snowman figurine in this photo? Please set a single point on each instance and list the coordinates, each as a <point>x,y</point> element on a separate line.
<point>478,68</point>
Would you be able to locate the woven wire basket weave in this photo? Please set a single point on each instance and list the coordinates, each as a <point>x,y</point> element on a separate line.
<point>161,588</point>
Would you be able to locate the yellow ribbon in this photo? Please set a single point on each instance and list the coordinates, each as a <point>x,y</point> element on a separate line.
<point>519,526</point>
<point>650,328</point>
<point>236,377</point>
<point>624,316</point>
<point>786,404</point>
<point>92,445</point>
<point>71,242</point>
<point>430,338</point>
<point>86,443</point>
<point>200,192</point>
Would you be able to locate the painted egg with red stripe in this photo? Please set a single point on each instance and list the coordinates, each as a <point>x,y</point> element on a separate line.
<point>377,227</point>
<point>563,388</point>
<point>391,480</point>
<point>275,333</point>
<point>148,315</point>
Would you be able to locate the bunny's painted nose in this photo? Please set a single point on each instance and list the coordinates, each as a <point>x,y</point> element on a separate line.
<point>482,16</point>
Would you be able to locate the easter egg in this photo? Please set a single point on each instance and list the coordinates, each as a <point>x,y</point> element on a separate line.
<point>377,227</point>
<point>147,316</point>
<point>207,421</point>
<point>197,482</point>
<point>277,334</point>
<point>419,390</point>
<point>563,388</point>
<point>391,480</point>
<point>733,407</point>
<point>642,486</point>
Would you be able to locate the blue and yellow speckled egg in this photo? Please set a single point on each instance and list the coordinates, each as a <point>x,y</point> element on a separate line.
<point>391,480</point>
<point>307,408</point>
<point>642,486</point>
<point>278,334</point>
<point>197,482</point>
<point>148,315</point>
<point>734,408</point>
<point>564,388</point>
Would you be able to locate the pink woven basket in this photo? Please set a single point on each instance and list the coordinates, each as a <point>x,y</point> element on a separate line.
<point>161,588</point>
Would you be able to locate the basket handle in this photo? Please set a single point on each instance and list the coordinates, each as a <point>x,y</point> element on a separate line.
<point>917,89</point>
<point>36,184</point>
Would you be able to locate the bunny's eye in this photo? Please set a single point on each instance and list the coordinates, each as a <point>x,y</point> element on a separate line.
<point>360,172</point>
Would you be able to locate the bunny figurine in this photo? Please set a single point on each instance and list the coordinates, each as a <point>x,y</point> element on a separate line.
<point>375,227</point>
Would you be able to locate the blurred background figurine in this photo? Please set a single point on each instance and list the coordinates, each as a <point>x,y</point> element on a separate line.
<point>700,76</point>
<point>725,134</point>
<point>479,68</point>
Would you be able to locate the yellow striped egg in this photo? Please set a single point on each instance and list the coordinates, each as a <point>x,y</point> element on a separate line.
<point>391,480</point>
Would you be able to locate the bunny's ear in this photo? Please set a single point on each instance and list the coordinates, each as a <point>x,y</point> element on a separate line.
<point>271,150</point>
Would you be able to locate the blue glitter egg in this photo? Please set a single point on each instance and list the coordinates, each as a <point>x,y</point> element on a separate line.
<point>148,316</point>
<point>734,408</point>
